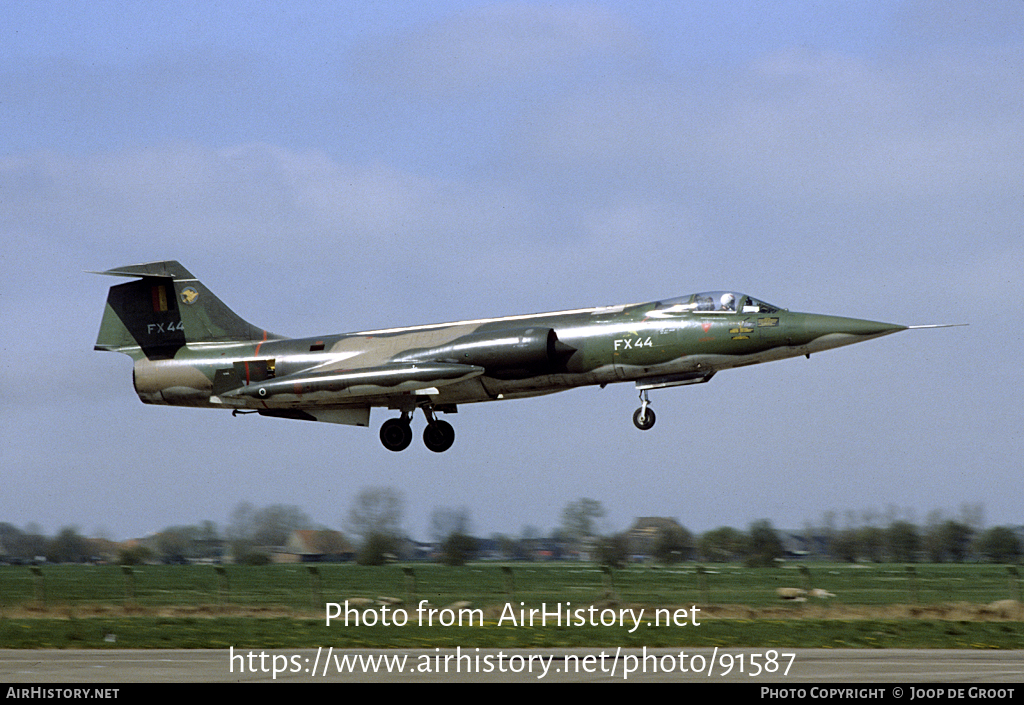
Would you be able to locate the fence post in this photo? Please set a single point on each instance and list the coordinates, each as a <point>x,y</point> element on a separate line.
<point>315,595</point>
<point>1014,577</point>
<point>510,582</point>
<point>222,584</point>
<point>39,585</point>
<point>129,585</point>
<point>806,573</point>
<point>912,576</point>
<point>410,585</point>
<point>608,578</point>
<point>702,584</point>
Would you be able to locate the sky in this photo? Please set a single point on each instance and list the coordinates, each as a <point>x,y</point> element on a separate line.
<point>333,167</point>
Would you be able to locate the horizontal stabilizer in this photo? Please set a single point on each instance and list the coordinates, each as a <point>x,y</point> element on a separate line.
<point>170,269</point>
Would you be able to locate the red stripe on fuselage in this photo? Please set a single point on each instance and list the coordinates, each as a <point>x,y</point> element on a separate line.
<point>248,379</point>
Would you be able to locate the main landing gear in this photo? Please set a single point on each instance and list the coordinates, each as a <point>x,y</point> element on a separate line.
<point>438,436</point>
<point>643,418</point>
<point>396,434</point>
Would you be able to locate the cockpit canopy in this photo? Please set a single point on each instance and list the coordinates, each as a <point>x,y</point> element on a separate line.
<point>716,302</point>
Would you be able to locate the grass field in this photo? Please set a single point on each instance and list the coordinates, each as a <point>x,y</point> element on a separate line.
<point>876,605</point>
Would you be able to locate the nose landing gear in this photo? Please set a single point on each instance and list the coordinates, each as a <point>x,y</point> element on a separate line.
<point>643,418</point>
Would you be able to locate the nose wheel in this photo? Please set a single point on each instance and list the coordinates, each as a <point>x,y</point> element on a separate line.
<point>643,418</point>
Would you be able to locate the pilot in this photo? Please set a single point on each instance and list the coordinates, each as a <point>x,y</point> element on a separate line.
<point>728,303</point>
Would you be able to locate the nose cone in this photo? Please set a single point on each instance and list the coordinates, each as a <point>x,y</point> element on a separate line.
<point>816,332</point>
<point>817,326</point>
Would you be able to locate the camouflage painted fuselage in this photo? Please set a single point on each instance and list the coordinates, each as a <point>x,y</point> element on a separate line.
<point>191,350</point>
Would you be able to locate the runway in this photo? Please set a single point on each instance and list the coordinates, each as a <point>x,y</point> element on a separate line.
<point>893,667</point>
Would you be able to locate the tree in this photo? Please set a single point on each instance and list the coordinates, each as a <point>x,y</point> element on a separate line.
<point>613,551</point>
<point>870,541</point>
<point>957,537</point>
<point>903,541</point>
<point>134,555</point>
<point>241,531</point>
<point>376,517</point>
<point>999,544</point>
<point>449,527</point>
<point>251,528</point>
<point>765,546</point>
<point>377,510</point>
<point>949,540</point>
<point>579,518</point>
<point>176,544</point>
<point>250,555</point>
<point>530,542</point>
<point>12,542</point>
<point>674,544</point>
<point>67,547</point>
<point>273,525</point>
<point>209,540</point>
<point>377,549</point>
<point>457,549</point>
<point>242,526</point>
<point>722,544</point>
<point>973,515</point>
<point>844,545</point>
<point>447,521</point>
<point>510,548</point>
<point>34,542</point>
<point>181,544</point>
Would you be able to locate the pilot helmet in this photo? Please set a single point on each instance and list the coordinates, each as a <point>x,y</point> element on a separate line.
<point>728,301</point>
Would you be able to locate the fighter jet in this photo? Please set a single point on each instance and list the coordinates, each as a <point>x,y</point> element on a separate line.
<point>191,350</point>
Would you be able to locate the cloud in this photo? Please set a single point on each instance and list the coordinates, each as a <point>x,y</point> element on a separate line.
<point>794,126</point>
<point>495,48</point>
<point>342,228</point>
<point>239,193</point>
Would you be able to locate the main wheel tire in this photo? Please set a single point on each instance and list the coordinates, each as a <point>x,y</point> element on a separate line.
<point>439,436</point>
<point>396,434</point>
<point>644,418</point>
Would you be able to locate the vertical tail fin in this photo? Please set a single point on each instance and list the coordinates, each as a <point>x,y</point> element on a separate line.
<point>164,310</point>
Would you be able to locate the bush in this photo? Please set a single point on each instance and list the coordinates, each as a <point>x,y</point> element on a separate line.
<point>378,549</point>
<point>253,557</point>
<point>457,549</point>
<point>135,555</point>
<point>613,551</point>
<point>999,544</point>
<point>765,546</point>
<point>674,544</point>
